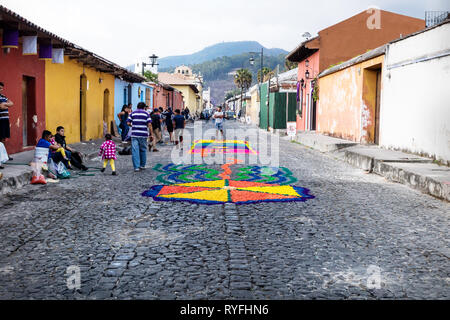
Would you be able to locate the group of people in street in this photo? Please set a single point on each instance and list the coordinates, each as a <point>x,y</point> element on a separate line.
<point>145,129</point>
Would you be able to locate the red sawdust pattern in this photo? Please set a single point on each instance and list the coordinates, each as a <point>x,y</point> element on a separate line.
<point>244,196</point>
<point>247,184</point>
<point>176,189</point>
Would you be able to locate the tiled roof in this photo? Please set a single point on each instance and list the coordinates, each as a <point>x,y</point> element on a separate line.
<point>176,80</point>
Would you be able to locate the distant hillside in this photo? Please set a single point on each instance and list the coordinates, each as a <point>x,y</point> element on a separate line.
<point>216,73</point>
<point>217,51</point>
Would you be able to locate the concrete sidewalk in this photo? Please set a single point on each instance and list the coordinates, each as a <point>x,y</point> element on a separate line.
<point>18,173</point>
<point>416,172</point>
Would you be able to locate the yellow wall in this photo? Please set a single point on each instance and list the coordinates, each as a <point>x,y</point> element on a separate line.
<point>253,111</point>
<point>190,97</point>
<point>62,96</point>
<point>343,108</point>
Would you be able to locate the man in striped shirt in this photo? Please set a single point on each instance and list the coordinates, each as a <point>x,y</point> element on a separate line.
<point>140,122</point>
<point>5,104</point>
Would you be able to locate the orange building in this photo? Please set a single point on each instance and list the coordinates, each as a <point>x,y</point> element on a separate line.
<point>350,95</point>
<point>343,41</point>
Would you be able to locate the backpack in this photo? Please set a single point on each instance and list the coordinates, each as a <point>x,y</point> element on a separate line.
<point>126,151</point>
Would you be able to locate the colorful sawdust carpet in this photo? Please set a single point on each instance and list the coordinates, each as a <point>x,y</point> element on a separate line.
<point>252,185</point>
<point>228,191</point>
<point>208,147</point>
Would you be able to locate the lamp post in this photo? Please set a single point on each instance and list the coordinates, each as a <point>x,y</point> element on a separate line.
<point>153,63</point>
<point>252,62</point>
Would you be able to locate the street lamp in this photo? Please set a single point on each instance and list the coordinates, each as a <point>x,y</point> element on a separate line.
<point>154,59</point>
<point>307,74</point>
<point>153,63</point>
<point>252,61</point>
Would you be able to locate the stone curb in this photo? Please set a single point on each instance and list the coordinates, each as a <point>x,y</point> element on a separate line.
<point>413,180</point>
<point>391,172</point>
<point>8,185</point>
<point>386,169</point>
<point>323,146</point>
<point>11,184</point>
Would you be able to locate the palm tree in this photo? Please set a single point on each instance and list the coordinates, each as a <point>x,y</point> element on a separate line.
<point>265,72</point>
<point>243,81</point>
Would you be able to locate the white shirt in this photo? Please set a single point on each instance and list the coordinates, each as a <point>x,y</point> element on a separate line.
<point>219,114</point>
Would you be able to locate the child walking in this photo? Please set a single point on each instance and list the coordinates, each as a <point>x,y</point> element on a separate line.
<point>108,150</point>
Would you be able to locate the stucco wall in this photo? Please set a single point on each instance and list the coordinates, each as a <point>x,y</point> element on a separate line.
<point>253,109</point>
<point>121,96</point>
<point>415,114</point>
<point>13,67</point>
<point>344,110</point>
<point>189,95</point>
<point>62,94</point>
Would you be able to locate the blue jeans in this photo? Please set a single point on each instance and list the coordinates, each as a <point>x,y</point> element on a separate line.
<point>125,130</point>
<point>139,151</point>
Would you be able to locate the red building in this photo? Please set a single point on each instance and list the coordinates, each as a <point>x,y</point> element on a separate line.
<point>24,79</point>
<point>363,32</point>
<point>167,96</point>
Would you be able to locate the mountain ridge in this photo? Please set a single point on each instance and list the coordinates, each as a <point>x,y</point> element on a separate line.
<point>218,50</point>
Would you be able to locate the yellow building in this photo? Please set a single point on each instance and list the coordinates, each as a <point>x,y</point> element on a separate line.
<point>79,95</point>
<point>193,99</point>
<point>78,98</point>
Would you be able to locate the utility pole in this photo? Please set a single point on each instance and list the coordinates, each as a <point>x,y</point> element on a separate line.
<point>268,104</point>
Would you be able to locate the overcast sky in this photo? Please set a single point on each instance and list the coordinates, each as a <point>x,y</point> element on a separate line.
<point>122,31</point>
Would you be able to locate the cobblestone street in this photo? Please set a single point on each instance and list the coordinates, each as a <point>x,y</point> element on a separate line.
<point>357,228</point>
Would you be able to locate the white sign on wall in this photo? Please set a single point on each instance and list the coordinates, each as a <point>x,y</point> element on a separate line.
<point>292,129</point>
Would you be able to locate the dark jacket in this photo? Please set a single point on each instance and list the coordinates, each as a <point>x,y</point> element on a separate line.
<point>61,140</point>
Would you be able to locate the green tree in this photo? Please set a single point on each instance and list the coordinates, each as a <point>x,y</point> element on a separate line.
<point>230,94</point>
<point>150,76</point>
<point>288,65</point>
<point>243,81</point>
<point>265,71</point>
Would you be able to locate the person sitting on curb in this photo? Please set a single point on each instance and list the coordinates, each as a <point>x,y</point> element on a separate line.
<point>63,156</point>
<point>45,143</point>
<point>74,156</point>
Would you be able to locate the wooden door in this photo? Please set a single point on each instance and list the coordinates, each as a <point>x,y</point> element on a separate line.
<point>377,109</point>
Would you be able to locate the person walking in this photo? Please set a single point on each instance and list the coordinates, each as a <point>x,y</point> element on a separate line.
<point>5,104</point>
<point>108,153</point>
<point>168,119</point>
<point>179,123</point>
<point>218,117</point>
<point>140,123</point>
<point>156,126</point>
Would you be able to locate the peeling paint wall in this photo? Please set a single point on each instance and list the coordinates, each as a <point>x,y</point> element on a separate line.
<point>415,114</point>
<point>346,108</point>
<point>253,111</point>
<point>13,68</point>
